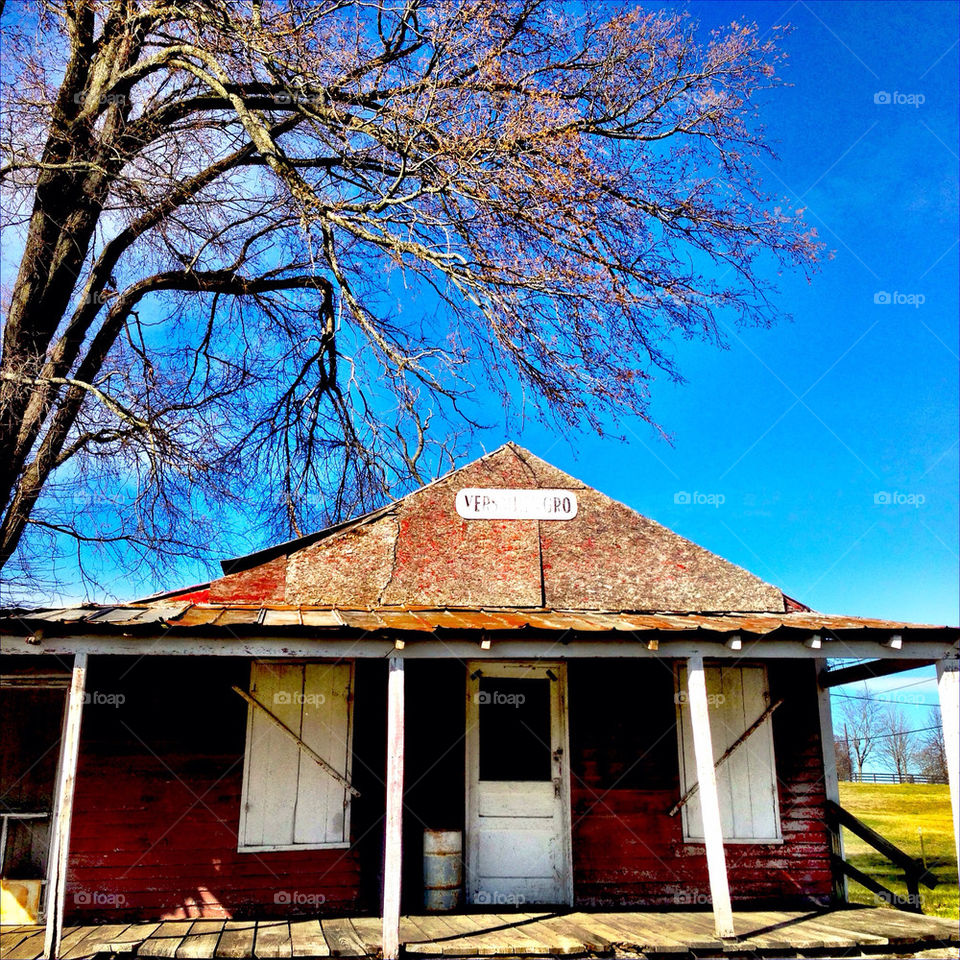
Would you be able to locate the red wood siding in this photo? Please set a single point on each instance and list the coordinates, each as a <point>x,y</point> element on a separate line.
<point>625,777</point>
<point>158,803</point>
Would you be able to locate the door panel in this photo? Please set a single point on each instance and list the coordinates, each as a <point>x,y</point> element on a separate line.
<point>513,800</point>
<point>518,806</point>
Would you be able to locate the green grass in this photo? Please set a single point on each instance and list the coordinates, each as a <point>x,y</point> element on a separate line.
<point>897,812</point>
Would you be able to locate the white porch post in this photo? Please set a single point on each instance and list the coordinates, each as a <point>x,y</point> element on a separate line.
<point>948,686</point>
<point>63,808</point>
<point>709,801</point>
<point>831,783</point>
<point>393,836</point>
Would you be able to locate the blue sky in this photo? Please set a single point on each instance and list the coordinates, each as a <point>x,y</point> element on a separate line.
<point>803,429</point>
<point>832,439</point>
<point>824,450</point>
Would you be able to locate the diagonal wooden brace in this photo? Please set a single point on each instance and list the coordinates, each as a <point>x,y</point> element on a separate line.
<point>739,742</point>
<point>309,751</point>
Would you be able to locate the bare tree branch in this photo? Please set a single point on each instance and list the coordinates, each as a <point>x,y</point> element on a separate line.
<point>274,254</point>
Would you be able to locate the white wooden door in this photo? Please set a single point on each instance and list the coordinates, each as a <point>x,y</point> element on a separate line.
<point>518,785</point>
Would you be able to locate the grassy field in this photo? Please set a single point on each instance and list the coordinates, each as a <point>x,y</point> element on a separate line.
<point>898,812</point>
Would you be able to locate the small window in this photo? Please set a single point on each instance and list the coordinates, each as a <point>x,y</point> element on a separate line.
<point>514,728</point>
<point>289,801</point>
<point>747,780</point>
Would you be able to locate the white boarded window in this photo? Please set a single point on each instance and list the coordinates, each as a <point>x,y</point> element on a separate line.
<point>747,780</point>
<point>289,801</point>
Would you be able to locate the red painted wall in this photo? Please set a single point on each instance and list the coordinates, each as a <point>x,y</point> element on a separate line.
<point>625,777</point>
<point>158,794</point>
<point>158,802</point>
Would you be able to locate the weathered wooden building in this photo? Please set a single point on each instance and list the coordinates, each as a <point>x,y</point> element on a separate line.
<point>609,715</point>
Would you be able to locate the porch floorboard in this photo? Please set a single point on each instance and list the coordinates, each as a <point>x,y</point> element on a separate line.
<point>843,932</point>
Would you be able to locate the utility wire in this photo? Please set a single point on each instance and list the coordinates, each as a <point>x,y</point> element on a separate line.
<point>903,686</point>
<point>850,696</point>
<point>883,736</point>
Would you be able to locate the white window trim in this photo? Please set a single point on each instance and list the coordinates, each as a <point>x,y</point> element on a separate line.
<point>766,731</point>
<point>348,806</point>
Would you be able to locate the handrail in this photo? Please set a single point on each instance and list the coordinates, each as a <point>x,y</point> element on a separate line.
<point>914,870</point>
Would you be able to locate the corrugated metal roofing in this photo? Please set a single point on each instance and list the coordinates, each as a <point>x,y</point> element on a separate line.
<point>202,618</point>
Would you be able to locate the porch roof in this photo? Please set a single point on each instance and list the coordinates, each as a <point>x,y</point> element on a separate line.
<point>206,619</point>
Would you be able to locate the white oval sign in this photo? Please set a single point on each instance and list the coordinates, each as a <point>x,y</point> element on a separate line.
<point>475,503</point>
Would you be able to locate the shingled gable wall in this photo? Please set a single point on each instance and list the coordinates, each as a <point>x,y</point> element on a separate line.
<point>420,552</point>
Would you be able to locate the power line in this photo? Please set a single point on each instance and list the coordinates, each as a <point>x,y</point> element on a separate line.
<point>884,736</point>
<point>915,683</point>
<point>903,686</point>
<point>851,696</point>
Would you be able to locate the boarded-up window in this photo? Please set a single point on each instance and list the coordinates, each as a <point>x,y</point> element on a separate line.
<point>747,780</point>
<point>289,801</point>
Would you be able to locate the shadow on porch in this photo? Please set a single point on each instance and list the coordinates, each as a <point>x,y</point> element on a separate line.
<point>846,932</point>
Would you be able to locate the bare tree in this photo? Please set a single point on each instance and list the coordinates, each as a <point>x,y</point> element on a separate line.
<point>898,745</point>
<point>862,721</point>
<point>269,249</point>
<point>932,754</point>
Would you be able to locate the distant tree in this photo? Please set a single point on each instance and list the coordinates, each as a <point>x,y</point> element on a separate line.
<point>269,248</point>
<point>932,754</point>
<point>898,745</point>
<point>862,721</point>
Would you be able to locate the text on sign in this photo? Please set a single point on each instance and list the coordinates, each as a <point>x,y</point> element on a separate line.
<point>476,503</point>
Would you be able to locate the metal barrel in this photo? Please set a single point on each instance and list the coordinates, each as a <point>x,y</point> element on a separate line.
<point>442,870</point>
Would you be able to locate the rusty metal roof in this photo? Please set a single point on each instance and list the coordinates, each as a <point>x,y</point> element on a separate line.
<point>271,619</point>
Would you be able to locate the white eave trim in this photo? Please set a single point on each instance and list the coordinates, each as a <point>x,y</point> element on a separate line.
<point>426,646</point>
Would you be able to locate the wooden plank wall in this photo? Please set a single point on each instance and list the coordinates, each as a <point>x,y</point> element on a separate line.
<point>625,772</point>
<point>158,802</point>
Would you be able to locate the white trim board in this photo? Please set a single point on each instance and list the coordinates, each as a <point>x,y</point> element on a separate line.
<point>417,646</point>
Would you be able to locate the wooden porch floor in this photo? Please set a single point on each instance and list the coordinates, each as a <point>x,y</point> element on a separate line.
<point>846,932</point>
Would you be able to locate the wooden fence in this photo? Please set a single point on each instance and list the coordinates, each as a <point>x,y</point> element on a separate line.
<point>892,778</point>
